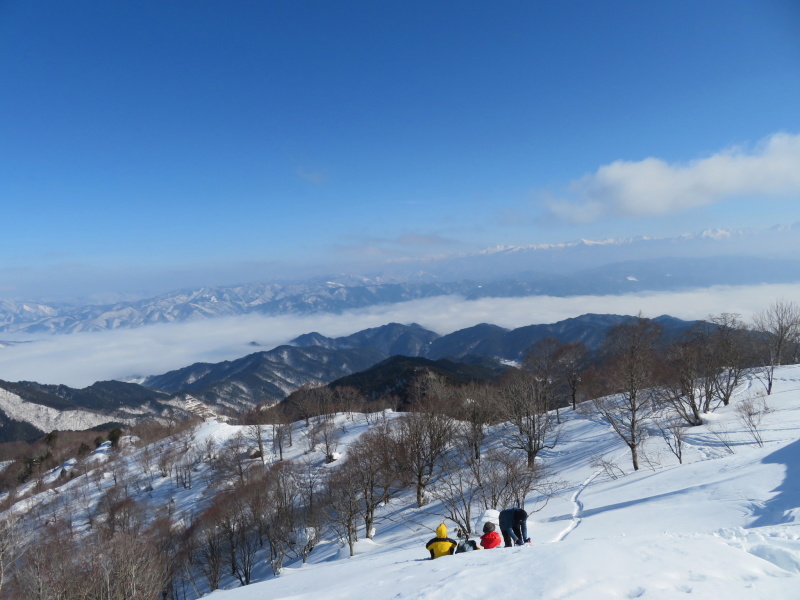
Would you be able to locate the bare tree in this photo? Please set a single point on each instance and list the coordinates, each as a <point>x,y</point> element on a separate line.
<point>255,437</point>
<point>281,433</point>
<point>325,402</point>
<point>8,545</point>
<point>166,456</point>
<point>679,381</point>
<point>778,327</point>
<point>330,434</point>
<point>121,514</point>
<point>750,412</point>
<point>458,489</point>
<point>505,479</point>
<point>232,457</point>
<point>146,462</point>
<point>210,448</point>
<point>572,360</point>
<point>729,344</point>
<point>344,504</point>
<point>305,401</point>
<point>309,520</point>
<point>347,399</point>
<point>542,360</point>
<point>630,370</point>
<point>282,522</point>
<point>312,435</point>
<point>672,430</point>
<point>246,539</point>
<point>60,566</point>
<point>209,548</point>
<point>234,527</point>
<point>185,468</point>
<point>373,463</point>
<point>53,566</point>
<point>131,568</point>
<point>475,409</point>
<point>492,478</point>
<point>423,439</point>
<point>706,362</point>
<point>526,397</point>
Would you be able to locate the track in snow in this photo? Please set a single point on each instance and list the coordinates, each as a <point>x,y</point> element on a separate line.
<point>577,509</point>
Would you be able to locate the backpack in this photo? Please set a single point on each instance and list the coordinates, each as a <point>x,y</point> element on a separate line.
<point>466,546</point>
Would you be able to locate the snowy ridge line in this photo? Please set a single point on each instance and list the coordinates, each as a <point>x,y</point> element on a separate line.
<point>45,418</point>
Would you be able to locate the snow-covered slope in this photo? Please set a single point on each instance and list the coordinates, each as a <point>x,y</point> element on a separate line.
<point>725,524</point>
<point>45,418</point>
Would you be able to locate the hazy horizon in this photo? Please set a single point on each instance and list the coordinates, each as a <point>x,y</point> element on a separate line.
<point>80,359</point>
<point>780,241</point>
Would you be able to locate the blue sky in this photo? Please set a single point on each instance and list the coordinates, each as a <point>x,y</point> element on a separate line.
<point>151,145</point>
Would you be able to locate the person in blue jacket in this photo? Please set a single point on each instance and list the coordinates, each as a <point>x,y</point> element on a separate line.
<point>514,526</point>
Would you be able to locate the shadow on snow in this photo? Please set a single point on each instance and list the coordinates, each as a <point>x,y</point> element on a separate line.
<point>776,510</point>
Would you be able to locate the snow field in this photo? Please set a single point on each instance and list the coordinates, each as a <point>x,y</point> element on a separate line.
<point>722,525</point>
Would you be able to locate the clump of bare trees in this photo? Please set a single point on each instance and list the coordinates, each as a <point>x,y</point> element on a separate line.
<point>58,564</point>
<point>704,367</point>
<point>423,439</point>
<point>527,401</point>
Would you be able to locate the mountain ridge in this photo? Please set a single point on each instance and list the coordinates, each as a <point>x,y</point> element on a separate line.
<point>573,268</point>
<point>267,377</point>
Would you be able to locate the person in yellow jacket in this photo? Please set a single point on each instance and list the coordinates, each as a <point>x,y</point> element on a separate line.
<point>441,545</point>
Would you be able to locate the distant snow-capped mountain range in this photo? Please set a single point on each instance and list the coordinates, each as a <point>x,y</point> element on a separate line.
<point>713,234</point>
<point>711,257</point>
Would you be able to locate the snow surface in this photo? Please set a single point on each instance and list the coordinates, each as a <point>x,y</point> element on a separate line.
<point>46,418</point>
<point>723,525</point>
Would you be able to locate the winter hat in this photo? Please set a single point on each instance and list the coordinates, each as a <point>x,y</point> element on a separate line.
<point>488,526</point>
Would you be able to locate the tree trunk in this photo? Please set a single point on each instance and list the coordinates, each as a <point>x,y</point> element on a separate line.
<point>634,456</point>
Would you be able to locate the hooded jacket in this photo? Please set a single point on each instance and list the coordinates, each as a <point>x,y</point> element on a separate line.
<point>491,540</point>
<point>441,545</point>
<point>513,525</point>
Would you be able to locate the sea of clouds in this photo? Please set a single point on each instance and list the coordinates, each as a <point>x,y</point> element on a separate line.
<point>78,360</point>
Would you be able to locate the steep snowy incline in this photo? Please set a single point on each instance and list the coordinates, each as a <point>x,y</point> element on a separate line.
<point>725,524</point>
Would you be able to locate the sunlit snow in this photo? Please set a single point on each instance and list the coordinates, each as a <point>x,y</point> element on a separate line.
<point>723,525</point>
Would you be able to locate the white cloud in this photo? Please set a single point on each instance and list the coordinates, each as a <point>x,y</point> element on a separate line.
<point>652,187</point>
<point>79,360</point>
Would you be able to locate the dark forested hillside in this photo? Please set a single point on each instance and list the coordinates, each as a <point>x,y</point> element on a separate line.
<point>393,376</point>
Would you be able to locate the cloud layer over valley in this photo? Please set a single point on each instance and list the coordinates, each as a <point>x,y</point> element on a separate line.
<point>79,360</point>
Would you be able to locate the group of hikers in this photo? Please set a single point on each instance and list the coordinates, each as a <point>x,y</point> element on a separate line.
<point>513,527</point>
